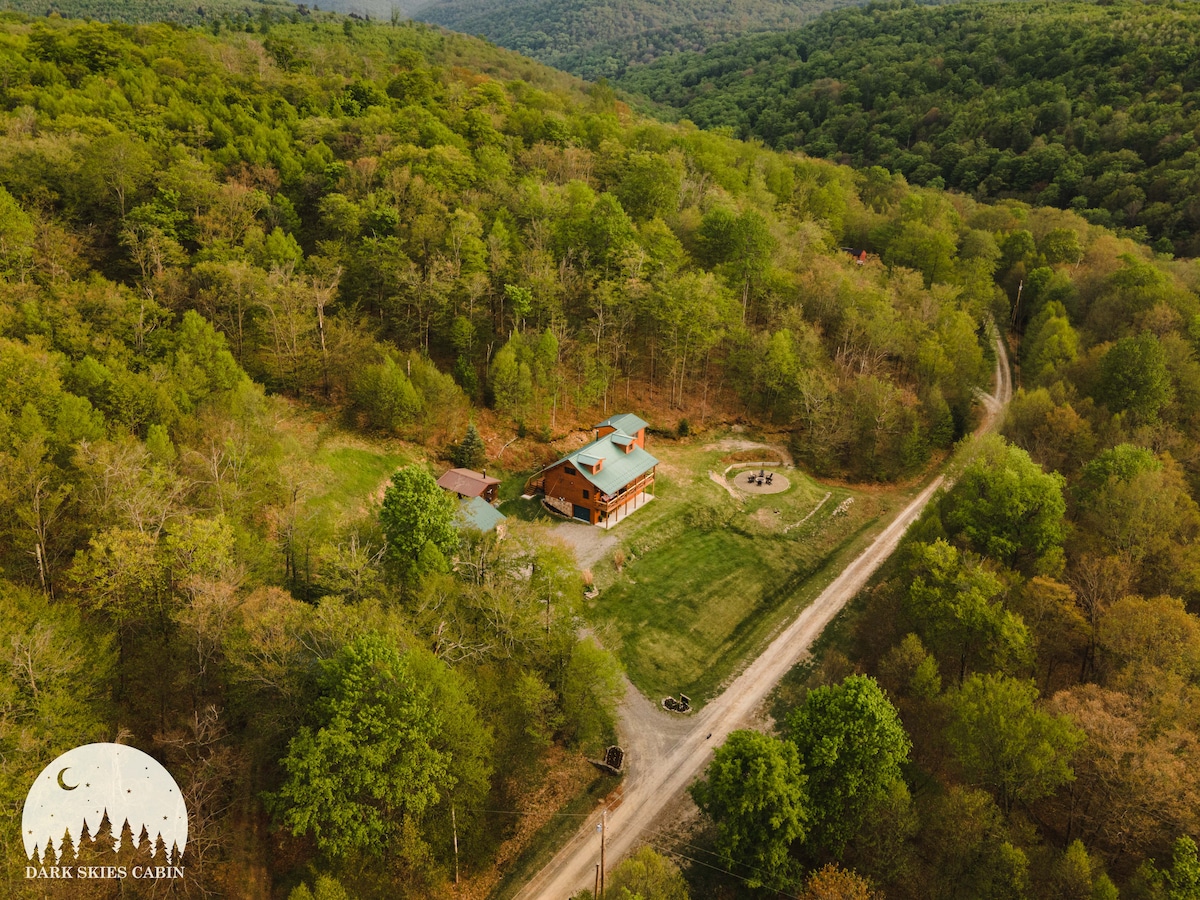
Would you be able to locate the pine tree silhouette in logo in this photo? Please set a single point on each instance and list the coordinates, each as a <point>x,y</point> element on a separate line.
<point>66,850</point>
<point>127,847</point>
<point>103,847</point>
<point>83,849</point>
<point>143,854</point>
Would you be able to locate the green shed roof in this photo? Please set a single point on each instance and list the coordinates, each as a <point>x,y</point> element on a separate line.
<point>619,467</point>
<point>478,513</point>
<point>627,423</point>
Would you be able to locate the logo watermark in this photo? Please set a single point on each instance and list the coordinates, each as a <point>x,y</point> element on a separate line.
<point>104,811</point>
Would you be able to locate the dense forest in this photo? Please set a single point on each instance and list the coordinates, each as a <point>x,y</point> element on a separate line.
<point>184,12</point>
<point>382,10</point>
<point>210,241</point>
<point>1028,727</point>
<point>1086,106</point>
<point>204,235</point>
<point>602,38</point>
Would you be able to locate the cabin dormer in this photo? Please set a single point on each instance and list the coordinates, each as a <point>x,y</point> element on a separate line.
<point>592,463</point>
<point>626,424</point>
<point>624,441</point>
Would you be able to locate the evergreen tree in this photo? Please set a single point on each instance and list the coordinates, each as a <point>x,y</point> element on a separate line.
<point>470,453</point>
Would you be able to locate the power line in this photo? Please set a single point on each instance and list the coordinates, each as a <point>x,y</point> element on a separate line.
<point>526,812</point>
<point>663,834</point>
<point>670,852</point>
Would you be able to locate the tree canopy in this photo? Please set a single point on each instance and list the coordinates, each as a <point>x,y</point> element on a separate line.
<point>371,759</point>
<point>1078,105</point>
<point>754,789</point>
<point>416,513</point>
<point>852,745</point>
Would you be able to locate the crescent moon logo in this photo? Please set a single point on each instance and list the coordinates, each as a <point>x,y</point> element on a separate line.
<point>71,796</point>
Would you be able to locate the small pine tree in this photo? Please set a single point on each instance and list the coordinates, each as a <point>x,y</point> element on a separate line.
<point>128,849</point>
<point>66,849</point>
<point>83,849</point>
<point>144,854</point>
<point>470,453</point>
<point>103,842</point>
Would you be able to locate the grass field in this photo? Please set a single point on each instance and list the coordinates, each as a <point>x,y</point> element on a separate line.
<point>511,504</point>
<point>345,473</point>
<point>709,580</point>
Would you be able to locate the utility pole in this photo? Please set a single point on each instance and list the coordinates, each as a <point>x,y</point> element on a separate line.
<point>603,834</point>
<point>596,889</point>
<point>454,823</point>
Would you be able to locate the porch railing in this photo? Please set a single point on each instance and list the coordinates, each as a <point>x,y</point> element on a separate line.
<point>610,502</point>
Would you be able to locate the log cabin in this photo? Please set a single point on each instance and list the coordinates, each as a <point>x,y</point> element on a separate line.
<point>605,480</point>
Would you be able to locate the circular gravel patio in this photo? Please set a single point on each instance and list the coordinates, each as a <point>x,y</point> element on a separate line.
<point>741,481</point>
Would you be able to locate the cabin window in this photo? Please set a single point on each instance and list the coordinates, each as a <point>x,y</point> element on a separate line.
<point>569,470</point>
<point>587,495</point>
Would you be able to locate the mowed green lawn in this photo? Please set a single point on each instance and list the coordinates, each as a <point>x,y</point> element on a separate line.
<point>344,478</point>
<point>709,580</point>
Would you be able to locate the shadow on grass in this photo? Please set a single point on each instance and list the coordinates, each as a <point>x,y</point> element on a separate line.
<point>526,510</point>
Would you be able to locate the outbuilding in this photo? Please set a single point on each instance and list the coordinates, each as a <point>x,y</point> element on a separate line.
<point>467,484</point>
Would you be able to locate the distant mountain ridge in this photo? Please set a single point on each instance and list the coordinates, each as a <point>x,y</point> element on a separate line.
<point>197,12</point>
<point>1088,106</point>
<point>183,12</point>
<point>375,9</point>
<point>601,38</point>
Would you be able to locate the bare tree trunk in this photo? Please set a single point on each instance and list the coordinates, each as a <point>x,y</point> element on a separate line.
<point>321,296</point>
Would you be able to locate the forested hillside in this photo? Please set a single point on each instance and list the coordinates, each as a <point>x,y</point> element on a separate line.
<point>602,38</point>
<point>185,12</point>
<point>1036,636</point>
<point>206,239</point>
<point>217,247</point>
<point>1091,107</point>
<point>382,10</point>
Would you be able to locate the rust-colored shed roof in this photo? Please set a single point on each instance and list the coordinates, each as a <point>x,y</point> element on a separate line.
<point>466,482</point>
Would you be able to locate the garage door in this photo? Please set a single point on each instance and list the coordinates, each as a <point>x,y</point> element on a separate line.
<point>582,512</point>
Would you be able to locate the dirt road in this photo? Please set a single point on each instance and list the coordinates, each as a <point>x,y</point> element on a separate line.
<point>666,753</point>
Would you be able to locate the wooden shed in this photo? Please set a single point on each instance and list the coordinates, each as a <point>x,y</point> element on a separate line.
<point>467,484</point>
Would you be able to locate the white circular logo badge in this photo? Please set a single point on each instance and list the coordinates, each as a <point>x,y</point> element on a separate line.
<point>83,784</point>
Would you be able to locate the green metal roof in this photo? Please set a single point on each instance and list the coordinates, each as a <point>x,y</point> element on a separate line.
<point>619,467</point>
<point>478,513</point>
<point>625,422</point>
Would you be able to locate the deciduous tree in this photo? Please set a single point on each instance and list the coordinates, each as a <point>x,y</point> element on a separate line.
<point>416,512</point>
<point>368,760</point>
<point>754,790</point>
<point>851,746</point>
<point>1004,742</point>
<point>1006,508</point>
<point>649,875</point>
